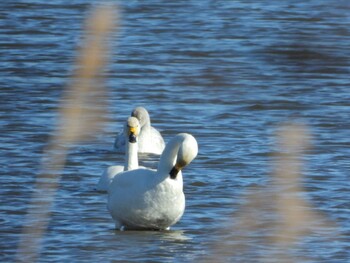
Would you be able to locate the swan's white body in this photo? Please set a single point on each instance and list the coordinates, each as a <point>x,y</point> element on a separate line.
<point>153,199</point>
<point>131,158</point>
<point>107,177</point>
<point>150,140</point>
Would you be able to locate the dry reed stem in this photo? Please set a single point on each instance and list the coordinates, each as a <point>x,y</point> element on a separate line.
<point>275,217</point>
<point>80,119</point>
<point>294,211</point>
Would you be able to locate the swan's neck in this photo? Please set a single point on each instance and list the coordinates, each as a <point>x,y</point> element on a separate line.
<point>168,157</point>
<point>131,158</point>
<point>146,125</point>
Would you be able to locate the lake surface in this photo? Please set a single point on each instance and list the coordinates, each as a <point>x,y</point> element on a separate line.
<point>228,72</point>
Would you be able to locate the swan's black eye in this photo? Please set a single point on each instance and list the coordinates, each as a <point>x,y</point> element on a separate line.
<point>173,173</point>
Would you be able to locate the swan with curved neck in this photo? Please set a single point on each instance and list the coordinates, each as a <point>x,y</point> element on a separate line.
<point>153,199</point>
<point>150,140</point>
<point>131,132</point>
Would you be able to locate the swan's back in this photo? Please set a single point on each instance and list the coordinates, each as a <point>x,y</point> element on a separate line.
<point>107,176</point>
<point>143,199</point>
<point>151,141</point>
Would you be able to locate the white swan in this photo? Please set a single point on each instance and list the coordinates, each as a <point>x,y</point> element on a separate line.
<point>149,199</point>
<point>131,132</point>
<point>150,140</point>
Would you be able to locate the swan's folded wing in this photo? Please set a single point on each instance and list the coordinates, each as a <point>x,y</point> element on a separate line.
<point>157,138</point>
<point>107,177</point>
<point>127,185</point>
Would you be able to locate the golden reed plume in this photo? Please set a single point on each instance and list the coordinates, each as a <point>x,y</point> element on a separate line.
<point>273,218</point>
<point>81,113</point>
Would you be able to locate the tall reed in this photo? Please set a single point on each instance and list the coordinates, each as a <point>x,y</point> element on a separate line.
<point>81,114</point>
<point>274,219</point>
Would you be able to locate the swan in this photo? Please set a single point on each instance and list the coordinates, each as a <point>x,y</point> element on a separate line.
<point>131,131</point>
<point>150,140</point>
<point>153,199</point>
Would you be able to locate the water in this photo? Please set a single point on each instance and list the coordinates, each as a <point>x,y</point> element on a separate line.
<point>228,72</point>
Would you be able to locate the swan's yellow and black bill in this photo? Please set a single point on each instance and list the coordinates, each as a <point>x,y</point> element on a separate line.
<point>132,130</point>
<point>132,134</point>
<point>173,172</point>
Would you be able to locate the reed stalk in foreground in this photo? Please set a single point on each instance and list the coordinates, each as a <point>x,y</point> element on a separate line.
<point>81,114</point>
<point>274,219</point>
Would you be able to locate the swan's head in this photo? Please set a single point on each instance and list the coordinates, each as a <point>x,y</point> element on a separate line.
<point>132,129</point>
<point>141,114</point>
<point>187,152</point>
